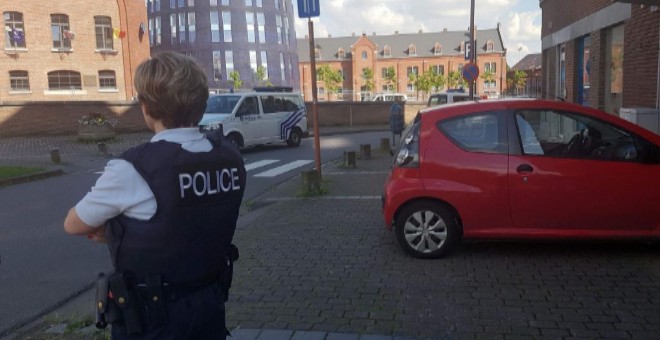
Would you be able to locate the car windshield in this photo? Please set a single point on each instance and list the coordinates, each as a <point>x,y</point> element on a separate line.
<point>221,104</point>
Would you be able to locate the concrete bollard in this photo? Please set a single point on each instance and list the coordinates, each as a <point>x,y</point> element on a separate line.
<point>365,151</point>
<point>385,144</point>
<point>311,181</point>
<point>349,159</point>
<point>55,156</point>
<point>103,149</point>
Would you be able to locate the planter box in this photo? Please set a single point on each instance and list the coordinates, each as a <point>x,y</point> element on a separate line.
<point>95,133</point>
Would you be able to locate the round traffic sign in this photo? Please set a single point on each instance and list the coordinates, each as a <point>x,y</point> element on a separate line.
<point>470,72</point>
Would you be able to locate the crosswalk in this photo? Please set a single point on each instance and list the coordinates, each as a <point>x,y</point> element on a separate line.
<point>276,171</point>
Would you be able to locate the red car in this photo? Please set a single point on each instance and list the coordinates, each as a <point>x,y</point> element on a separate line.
<point>521,169</point>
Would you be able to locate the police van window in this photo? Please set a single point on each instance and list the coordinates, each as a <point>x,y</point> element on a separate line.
<point>248,107</point>
<point>268,104</point>
<point>221,104</point>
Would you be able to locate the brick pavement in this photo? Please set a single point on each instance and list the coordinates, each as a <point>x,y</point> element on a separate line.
<point>326,268</point>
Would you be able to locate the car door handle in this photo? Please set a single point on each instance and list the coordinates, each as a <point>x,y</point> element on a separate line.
<point>524,168</point>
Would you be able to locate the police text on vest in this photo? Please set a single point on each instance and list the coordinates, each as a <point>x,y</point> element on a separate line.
<point>209,183</point>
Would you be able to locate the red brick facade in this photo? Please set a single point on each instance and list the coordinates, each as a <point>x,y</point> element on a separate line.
<point>38,59</point>
<point>598,19</point>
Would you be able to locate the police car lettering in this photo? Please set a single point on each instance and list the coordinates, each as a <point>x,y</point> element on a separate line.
<point>209,183</point>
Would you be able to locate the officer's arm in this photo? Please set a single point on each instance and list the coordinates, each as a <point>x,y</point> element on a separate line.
<point>75,226</point>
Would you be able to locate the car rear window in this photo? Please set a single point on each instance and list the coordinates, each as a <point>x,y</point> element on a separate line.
<point>482,132</point>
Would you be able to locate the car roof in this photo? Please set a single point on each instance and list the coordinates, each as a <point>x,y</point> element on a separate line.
<point>256,93</point>
<point>468,107</point>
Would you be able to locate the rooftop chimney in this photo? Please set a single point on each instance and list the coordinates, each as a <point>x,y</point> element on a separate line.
<point>329,35</point>
<point>396,32</point>
<point>444,29</point>
<point>421,31</point>
<point>374,34</point>
<point>352,34</point>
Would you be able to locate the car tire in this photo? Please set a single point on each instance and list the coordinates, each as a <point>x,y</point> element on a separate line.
<point>427,230</point>
<point>295,136</point>
<point>236,140</point>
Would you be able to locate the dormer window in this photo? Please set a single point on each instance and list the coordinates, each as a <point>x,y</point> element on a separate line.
<point>364,55</point>
<point>341,54</point>
<point>317,53</point>
<point>437,49</point>
<point>490,46</point>
<point>387,51</point>
<point>412,50</point>
<point>462,47</point>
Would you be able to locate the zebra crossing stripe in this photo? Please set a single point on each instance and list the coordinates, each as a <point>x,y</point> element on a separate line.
<point>259,164</point>
<point>284,168</point>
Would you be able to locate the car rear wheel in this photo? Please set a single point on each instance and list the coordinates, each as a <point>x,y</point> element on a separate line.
<point>294,137</point>
<point>427,230</point>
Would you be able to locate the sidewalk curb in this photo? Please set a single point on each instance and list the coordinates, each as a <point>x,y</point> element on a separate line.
<point>31,177</point>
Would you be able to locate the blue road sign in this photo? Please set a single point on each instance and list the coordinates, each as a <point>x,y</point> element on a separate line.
<point>470,72</point>
<point>308,8</point>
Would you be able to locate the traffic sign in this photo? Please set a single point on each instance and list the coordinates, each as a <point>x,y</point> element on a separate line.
<point>470,72</point>
<point>308,8</point>
<point>468,50</point>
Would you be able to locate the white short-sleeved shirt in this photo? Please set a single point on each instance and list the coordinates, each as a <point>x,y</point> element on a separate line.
<point>121,189</point>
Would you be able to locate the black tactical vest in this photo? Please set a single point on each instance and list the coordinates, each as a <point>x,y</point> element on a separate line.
<point>198,196</point>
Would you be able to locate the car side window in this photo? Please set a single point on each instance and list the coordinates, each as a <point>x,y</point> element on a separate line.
<point>482,132</point>
<point>248,107</point>
<point>571,135</point>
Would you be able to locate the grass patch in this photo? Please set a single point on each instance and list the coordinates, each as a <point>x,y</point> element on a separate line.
<point>16,171</point>
<point>323,190</point>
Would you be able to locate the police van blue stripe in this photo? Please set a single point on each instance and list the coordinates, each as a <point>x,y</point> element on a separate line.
<point>291,121</point>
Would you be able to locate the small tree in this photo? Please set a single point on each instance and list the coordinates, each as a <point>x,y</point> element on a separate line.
<point>488,76</point>
<point>390,75</point>
<point>235,78</point>
<point>426,81</point>
<point>368,79</point>
<point>455,80</point>
<point>260,76</point>
<point>331,79</point>
<point>516,80</point>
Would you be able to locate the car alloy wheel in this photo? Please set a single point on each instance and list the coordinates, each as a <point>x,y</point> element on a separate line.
<point>427,230</point>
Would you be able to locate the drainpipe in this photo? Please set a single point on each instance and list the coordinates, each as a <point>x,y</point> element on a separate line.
<point>657,89</point>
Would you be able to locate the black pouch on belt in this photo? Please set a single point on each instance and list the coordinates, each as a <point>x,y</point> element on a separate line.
<point>127,302</point>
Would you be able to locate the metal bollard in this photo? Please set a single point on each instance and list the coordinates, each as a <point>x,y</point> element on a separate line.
<point>349,159</point>
<point>365,151</point>
<point>385,144</point>
<point>55,156</point>
<point>103,149</point>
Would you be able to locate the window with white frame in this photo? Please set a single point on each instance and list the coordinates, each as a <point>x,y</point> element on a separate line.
<point>191,3</point>
<point>341,54</point>
<point>192,30</point>
<point>229,63</point>
<point>410,70</point>
<point>173,31</point>
<point>253,61</point>
<point>103,29</point>
<point>261,27</point>
<point>412,50</point>
<point>213,2</point>
<point>182,27</point>
<point>107,80</point>
<point>215,27</point>
<point>217,65</point>
<point>437,49</point>
<point>64,80</point>
<point>249,20</point>
<point>14,30</point>
<point>60,31</point>
<point>387,51</point>
<point>490,67</point>
<point>438,69</point>
<point>19,81</point>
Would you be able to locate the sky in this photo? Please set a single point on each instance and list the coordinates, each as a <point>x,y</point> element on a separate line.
<point>520,20</point>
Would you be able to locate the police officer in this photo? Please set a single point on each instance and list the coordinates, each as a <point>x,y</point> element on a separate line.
<point>168,211</point>
<point>396,120</point>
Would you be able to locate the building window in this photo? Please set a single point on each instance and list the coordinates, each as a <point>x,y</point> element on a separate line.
<point>282,67</point>
<point>226,25</point>
<point>253,61</point>
<point>157,5</point>
<point>225,2</point>
<point>412,70</point>
<point>249,20</point>
<point>14,30</point>
<point>364,55</point>
<point>215,27</point>
<point>213,2</point>
<point>173,28</point>
<point>64,80</point>
<point>490,67</point>
<point>412,50</point>
<point>182,3</point>
<point>341,54</point>
<point>264,62</point>
<point>107,80</point>
<point>490,46</point>
<point>172,4</point>
<point>217,65</point>
<point>158,32</point>
<point>248,3</point>
<point>260,3</point>
<point>229,63</point>
<point>103,28</point>
<point>182,28</point>
<point>261,27</point>
<point>437,49</point>
<point>438,69</point>
<point>317,53</point>
<point>59,26</point>
<point>19,81</point>
<point>192,30</point>
<point>191,3</point>
<point>387,51</point>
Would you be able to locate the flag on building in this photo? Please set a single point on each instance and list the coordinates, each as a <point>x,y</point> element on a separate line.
<point>118,33</point>
<point>17,36</point>
<point>68,34</point>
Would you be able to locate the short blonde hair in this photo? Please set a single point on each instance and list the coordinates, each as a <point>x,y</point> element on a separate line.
<point>174,89</point>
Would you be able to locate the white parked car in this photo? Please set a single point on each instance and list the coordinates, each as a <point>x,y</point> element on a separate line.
<point>255,118</point>
<point>387,97</point>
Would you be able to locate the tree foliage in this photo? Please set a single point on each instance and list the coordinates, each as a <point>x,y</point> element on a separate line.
<point>260,76</point>
<point>332,79</point>
<point>427,81</point>
<point>235,78</point>
<point>368,79</point>
<point>455,80</point>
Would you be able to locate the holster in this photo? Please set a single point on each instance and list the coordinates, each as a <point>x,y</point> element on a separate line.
<point>127,301</point>
<point>228,274</point>
<point>105,309</point>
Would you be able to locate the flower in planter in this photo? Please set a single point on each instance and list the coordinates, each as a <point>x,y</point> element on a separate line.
<point>97,119</point>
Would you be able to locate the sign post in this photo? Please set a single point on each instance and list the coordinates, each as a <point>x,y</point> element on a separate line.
<point>473,50</point>
<point>308,9</point>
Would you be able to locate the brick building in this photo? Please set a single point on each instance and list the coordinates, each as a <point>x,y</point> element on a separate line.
<point>229,35</point>
<point>63,51</point>
<point>416,53</point>
<point>531,65</point>
<point>602,53</point>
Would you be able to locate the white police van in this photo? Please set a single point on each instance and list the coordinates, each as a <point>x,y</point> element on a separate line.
<point>254,118</point>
